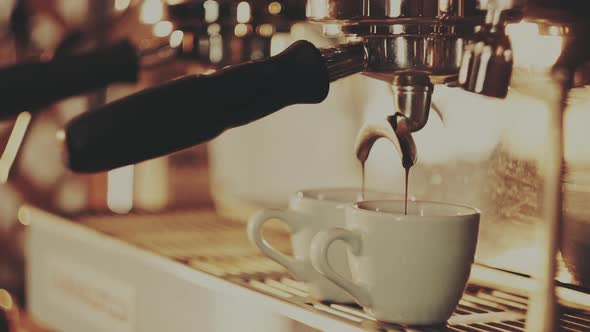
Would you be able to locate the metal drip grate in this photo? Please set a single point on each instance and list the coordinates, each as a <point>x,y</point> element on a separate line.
<point>220,247</point>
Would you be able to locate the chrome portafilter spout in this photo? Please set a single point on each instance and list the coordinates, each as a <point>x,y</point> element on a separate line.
<point>412,94</point>
<point>396,129</point>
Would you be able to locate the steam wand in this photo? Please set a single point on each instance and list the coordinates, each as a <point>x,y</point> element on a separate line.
<point>543,312</point>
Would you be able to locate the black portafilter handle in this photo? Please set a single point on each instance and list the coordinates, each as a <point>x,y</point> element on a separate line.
<point>194,109</point>
<point>33,85</point>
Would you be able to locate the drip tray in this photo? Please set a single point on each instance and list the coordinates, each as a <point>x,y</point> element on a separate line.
<point>203,241</point>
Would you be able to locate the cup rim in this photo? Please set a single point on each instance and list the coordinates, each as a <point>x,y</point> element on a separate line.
<point>472,210</point>
<point>309,196</point>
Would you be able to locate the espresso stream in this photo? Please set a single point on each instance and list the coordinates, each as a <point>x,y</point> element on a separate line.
<point>397,130</point>
<point>399,134</point>
<point>406,195</point>
<point>363,188</point>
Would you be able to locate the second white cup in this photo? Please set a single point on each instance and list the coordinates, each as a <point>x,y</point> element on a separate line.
<point>309,212</point>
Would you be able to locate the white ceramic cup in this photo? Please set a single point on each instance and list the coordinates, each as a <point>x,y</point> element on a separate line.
<point>309,212</point>
<point>409,269</point>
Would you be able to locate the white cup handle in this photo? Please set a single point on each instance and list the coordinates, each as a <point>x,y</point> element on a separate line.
<point>320,245</point>
<point>255,224</point>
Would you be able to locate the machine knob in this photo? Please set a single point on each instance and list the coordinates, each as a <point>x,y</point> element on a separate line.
<point>486,67</point>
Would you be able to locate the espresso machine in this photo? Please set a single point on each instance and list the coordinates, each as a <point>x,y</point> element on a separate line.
<point>412,49</point>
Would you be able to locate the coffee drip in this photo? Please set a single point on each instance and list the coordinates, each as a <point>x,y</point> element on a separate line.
<point>406,194</point>
<point>412,94</point>
<point>398,132</point>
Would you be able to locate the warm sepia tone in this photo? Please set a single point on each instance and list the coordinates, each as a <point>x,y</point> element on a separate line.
<point>294,165</point>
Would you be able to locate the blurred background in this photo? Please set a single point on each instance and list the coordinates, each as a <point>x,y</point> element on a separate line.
<point>173,38</point>
<point>481,152</point>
